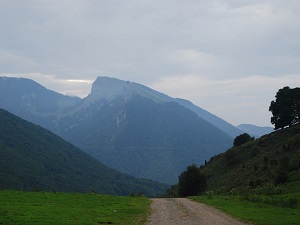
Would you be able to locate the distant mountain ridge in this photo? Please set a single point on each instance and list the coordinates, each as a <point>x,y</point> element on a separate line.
<point>216,121</point>
<point>33,158</point>
<point>104,85</point>
<point>128,126</point>
<point>33,102</point>
<point>146,139</point>
<point>255,131</point>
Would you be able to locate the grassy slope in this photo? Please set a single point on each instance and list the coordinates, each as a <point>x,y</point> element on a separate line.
<point>246,179</point>
<point>63,208</point>
<point>257,162</point>
<point>33,158</point>
<point>260,212</point>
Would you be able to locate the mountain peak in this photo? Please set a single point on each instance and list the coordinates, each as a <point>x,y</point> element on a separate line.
<point>109,88</point>
<point>254,130</point>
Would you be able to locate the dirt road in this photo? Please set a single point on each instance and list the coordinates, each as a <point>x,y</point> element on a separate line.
<point>181,211</point>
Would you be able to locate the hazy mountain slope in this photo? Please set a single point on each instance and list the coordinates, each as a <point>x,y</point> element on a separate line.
<point>226,127</point>
<point>34,158</point>
<point>271,159</point>
<point>37,104</point>
<point>115,87</point>
<point>33,102</point>
<point>145,138</point>
<point>128,126</point>
<point>255,131</point>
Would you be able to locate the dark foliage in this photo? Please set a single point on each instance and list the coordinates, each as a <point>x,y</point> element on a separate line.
<point>286,108</point>
<point>172,192</point>
<point>231,157</point>
<point>242,139</point>
<point>191,182</point>
<point>270,160</point>
<point>281,176</point>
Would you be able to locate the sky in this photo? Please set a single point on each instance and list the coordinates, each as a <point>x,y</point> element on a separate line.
<point>229,57</point>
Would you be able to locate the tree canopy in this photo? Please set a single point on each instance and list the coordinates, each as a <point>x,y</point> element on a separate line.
<point>286,107</point>
<point>191,182</point>
<point>242,139</point>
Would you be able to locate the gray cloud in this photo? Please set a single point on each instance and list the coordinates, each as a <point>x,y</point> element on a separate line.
<point>152,42</point>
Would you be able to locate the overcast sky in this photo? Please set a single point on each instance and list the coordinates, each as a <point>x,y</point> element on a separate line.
<point>229,57</point>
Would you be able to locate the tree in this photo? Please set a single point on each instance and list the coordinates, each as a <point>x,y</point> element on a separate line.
<point>286,108</point>
<point>242,139</point>
<point>191,182</point>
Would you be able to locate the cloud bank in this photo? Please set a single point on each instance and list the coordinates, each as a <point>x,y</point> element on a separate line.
<point>229,57</point>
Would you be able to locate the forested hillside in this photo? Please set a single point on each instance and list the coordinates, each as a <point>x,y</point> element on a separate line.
<point>33,158</point>
<point>273,159</point>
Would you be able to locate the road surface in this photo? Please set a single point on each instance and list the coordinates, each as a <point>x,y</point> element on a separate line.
<point>182,211</point>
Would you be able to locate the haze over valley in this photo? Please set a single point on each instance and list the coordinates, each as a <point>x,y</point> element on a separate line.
<point>125,125</point>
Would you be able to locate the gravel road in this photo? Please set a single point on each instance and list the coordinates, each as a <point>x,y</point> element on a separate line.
<point>181,211</point>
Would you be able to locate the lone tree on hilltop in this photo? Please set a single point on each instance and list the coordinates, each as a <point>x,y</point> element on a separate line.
<point>242,139</point>
<point>286,108</point>
<point>191,182</point>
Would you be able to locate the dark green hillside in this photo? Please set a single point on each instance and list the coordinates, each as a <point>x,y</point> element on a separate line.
<point>271,159</point>
<point>33,158</point>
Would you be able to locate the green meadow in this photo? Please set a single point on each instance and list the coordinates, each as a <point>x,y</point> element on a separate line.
<point>258,209</point>
<point>30,208</point>
<point>71,208</point>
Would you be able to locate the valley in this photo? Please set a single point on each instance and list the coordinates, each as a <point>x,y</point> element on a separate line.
<point>150,112</point>
<point>125,139</point>
<point>127,126</point>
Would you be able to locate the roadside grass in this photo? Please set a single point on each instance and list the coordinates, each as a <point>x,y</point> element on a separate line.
<point>29,208</point>
<point>259,211</point>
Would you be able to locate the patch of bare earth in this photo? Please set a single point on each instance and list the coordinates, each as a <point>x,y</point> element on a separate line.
<point>181,211</point>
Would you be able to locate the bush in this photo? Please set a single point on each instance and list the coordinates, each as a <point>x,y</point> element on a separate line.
<point>242,139</point>
<point>191,182</point>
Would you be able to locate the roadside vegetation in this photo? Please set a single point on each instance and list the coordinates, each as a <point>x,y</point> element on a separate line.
<point>257,209</point>
<point>70,208</point>
<point>266,205</point>
<point>270,161</point>
<point>257,181</point>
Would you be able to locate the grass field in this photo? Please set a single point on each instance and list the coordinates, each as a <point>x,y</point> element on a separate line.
<point>70,208</point>
<point>260,210</point>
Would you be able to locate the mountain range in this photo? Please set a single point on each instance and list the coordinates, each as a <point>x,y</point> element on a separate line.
<point>125,125</point>
<point>33,158</point>
<point>255,131</point>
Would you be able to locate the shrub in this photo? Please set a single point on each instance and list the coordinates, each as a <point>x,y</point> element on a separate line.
<point>242,139</point>
<point>191,182</point>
